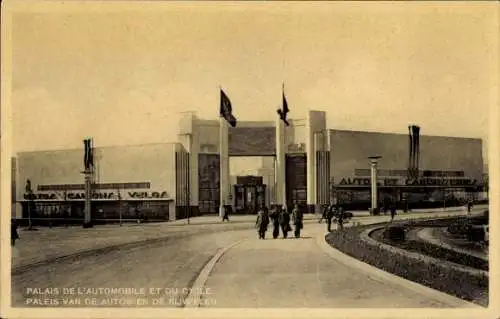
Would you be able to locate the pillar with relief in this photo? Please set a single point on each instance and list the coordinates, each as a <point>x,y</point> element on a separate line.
<point>311,166</point>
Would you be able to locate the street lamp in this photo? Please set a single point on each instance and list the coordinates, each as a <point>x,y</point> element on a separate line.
<point>29,191</point>
<point>119,204</point>
<point>373,166</point>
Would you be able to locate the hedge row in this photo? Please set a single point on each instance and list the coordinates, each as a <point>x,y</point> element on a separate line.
<point>431,250</point>
<point>456,283</point>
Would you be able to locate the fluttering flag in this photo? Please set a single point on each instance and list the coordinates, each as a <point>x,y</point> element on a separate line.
<point>28,186</point>
<point>413,165</point>
<point>88,158</point>
<point>226,110</point>
<point>410,158</point>
<point>284,109</point>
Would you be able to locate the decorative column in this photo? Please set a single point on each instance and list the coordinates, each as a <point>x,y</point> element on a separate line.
<point>280,175</point>
<point>311,165</point>
<point>88,161</point>
<point>224,164</point>
<point>88,197</point>
<point>374,177</point>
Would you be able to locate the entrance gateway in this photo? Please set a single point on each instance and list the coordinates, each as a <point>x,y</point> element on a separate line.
<point>295,150</point>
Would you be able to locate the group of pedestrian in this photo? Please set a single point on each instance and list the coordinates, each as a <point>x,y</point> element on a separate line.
<point>335,213</point>
<point>280,218</point>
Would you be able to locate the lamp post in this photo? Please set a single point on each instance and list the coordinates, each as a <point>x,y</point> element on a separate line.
<point>374,164</point>
<point>119,204</point>
<point>29,191</point>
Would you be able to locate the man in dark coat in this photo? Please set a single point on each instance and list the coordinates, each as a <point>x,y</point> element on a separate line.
<point>393,211</point>
<point>330,213</point>
<point>262,222</point>
<point>340,217</point>
<point>469,206</point>
<point>275,213</point>
<point>13,232</point>
<point>297,218</point>
<point>324,214</point>
<point>284,221</point>
<point>227,209</point>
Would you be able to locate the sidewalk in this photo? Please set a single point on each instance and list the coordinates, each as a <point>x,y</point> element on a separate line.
<point>51,243</point>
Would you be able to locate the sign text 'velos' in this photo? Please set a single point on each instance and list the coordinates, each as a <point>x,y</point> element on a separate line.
<point>97,195</point>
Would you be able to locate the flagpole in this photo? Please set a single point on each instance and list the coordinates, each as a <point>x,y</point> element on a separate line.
<point>283,166</point>
<point>223,161</point>
<point>280,159</point>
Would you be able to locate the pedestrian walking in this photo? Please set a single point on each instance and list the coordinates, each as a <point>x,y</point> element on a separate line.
<point>13,232</point>
<point>393,212</point>
<point>332,210</point>
<point>262,222</point>
<point>340,218</point>
<point>324,213</point>
<point>227,209</point>
<point>284,221</point>
<point>274,216</point>
<point>297,217</point>
<point>469,206</point>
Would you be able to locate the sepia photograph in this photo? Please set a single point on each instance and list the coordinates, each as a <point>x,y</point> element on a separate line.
<point>176,159</point>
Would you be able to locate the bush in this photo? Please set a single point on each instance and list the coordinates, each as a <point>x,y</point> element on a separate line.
<point>394,233</point>
<point>459,229</point>
<point>475,234</point>
<point>457,283</point>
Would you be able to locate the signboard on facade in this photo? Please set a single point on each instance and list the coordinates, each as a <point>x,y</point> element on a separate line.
<point>98,195</point>
<point>443,182</point>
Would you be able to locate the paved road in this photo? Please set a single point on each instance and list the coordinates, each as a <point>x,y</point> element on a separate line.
<point>297,273</point>
<point>255,273</point>
<point>172,264</point>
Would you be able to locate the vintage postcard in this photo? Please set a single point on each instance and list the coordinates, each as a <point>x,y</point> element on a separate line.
<point>249,159</point>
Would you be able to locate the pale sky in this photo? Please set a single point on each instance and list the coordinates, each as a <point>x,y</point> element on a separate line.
<point>122,77</point>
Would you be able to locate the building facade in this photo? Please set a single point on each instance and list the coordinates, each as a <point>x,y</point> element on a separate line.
<point>304,163</point>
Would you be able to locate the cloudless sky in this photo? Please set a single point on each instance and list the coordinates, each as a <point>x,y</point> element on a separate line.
<point>121,73</point>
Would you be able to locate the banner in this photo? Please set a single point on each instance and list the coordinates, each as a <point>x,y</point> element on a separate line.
<point>444,182</point>
<point>226,109</point>
<point>98,195</point>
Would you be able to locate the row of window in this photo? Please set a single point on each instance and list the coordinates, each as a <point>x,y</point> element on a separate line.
<point>103,210</point>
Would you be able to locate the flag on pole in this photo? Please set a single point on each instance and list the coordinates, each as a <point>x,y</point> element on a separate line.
<point>284,109</point>
<point>88,158</point>
<point>226,110</point>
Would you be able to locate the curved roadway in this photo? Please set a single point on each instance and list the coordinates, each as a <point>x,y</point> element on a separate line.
<point>254,273</point>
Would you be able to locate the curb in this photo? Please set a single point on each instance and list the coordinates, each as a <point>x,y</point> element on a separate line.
<point>195,292</point>
<point>372,271</point>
